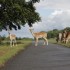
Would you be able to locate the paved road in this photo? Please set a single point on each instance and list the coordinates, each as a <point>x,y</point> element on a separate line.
<point>51,57</point>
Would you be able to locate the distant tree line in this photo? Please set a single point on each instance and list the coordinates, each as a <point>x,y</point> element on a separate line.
<point>4,38</point>
<point>53,33</point>
<point>18,38</point>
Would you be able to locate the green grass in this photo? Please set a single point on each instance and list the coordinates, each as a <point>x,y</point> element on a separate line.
<point>7,52</point>
<point>53,40</point>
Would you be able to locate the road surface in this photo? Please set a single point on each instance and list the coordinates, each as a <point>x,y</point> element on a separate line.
<point>51,57</point>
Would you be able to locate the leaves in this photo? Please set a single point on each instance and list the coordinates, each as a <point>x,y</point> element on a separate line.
<point>16,13</point>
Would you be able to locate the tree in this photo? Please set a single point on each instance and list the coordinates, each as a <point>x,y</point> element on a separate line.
<point>53,33</point>
<point>67,29</point>
<point>16,13</point>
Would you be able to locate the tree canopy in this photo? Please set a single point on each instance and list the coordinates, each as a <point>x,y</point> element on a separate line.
<point>16,13</point>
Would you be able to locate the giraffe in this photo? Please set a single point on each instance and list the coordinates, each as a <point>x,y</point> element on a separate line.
<point>38,35</point>
<point>12,38</point>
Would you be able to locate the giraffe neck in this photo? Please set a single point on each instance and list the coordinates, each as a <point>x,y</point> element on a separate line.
<point>32,33</point>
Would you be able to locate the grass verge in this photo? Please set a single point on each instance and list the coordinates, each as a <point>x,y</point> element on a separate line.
<point>7,52</point>
<point>53,40</point>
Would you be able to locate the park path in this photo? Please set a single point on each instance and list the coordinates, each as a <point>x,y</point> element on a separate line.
<point>51,57</point>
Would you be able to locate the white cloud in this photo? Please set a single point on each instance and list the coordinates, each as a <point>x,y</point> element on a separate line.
<point>54,4</point>
<point>57,12</point>
<point>60,18</point>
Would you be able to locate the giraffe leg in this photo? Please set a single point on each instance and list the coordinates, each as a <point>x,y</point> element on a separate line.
<point>66,41</point>
<point>36,42</point>
<point>46,40</point>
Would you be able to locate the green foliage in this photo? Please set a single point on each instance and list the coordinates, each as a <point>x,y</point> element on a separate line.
<point>16,13</point>
<point>67,29</point>
<point>53,33</point>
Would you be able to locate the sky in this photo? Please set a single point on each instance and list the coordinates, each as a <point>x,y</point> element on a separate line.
<point>55,14</point>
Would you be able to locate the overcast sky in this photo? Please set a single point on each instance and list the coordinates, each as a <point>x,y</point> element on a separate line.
<point>55,14</point>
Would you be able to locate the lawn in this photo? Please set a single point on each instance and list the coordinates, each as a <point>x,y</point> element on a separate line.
<point>53,40</point>
<point>7,52</point>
